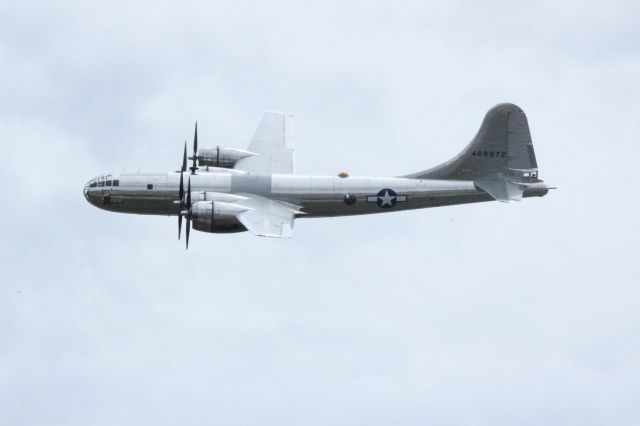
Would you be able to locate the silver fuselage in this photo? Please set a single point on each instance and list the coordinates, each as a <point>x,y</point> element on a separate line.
<point>316,196</point>
<point>231,190</point>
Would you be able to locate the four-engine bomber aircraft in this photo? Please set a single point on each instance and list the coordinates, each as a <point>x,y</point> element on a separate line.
<point>233,190</point>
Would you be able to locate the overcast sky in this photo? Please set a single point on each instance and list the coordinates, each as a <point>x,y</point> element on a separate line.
<point>485,314</point>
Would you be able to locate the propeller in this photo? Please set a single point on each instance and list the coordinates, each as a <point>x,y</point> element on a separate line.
<point>185,208</point>
<point>195,151</point>
<point>181,189</point>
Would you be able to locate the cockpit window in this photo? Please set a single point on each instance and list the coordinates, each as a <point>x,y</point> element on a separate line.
<point>101,183</point>
<point>116,182</point>
<point>93,184</point>
<point>108,183</point>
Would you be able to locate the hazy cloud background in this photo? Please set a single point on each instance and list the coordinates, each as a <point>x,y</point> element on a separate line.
<point>482,314</point>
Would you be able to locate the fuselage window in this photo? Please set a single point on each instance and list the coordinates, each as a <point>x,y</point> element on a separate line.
<point>108,183</point>
<point>116,182</point>
<point>149,186</point>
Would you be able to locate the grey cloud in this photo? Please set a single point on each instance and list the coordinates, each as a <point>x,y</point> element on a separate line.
<point>479,314</point>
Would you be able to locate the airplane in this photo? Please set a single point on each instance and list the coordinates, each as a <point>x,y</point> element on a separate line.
<point>257,190</point>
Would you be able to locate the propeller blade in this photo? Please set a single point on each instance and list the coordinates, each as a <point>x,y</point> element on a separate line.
<point>181,190</point>
<point>187,230</point>
<point>195,140</point>
<point>195,151</point>
<point>189,196</point>
<point>184,158</point>
<point>179,224</point>
<point>188,209</point>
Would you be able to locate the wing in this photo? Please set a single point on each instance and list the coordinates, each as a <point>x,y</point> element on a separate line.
<point>267,218</point>
<point>273,144</point>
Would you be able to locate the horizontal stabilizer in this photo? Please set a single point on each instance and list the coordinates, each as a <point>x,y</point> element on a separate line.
<point>501,191</point>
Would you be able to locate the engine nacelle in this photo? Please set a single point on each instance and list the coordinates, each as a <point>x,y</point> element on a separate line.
<point>219,156</point>
<point>216,216</point>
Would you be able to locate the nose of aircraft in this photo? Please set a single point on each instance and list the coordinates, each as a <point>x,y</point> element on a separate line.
<point>90,194</point>
<point>93,190</point>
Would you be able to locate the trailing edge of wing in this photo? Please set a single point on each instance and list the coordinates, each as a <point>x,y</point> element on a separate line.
<point>267,218</point>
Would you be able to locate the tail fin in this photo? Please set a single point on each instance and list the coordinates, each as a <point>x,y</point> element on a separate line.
<point>500,158</point>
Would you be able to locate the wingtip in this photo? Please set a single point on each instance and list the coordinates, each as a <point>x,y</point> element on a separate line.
<point>288,114</point>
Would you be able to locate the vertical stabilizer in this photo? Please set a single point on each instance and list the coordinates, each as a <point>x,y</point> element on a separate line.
<point>500,159</point>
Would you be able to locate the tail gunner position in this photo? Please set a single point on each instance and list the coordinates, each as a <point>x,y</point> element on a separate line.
<point>232,190</point>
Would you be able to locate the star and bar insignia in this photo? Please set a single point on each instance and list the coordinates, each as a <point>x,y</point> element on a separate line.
<point>386,198</point>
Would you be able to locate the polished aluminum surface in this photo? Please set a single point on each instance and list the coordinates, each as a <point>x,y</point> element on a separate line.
<point>263,195</point>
